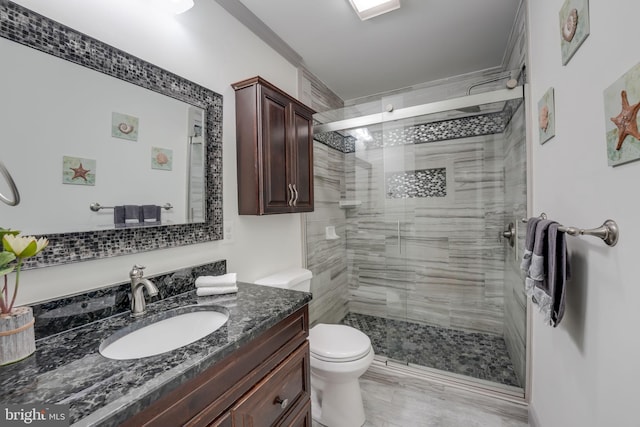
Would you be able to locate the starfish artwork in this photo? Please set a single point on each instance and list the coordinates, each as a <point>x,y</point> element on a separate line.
<point>627,120</point>
<point>80,172</point>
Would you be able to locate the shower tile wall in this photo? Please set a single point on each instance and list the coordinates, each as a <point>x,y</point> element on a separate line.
<point>446,268</point>
<point>327,259</point>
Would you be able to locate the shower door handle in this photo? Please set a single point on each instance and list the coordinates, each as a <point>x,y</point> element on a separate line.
<point>399,239</point>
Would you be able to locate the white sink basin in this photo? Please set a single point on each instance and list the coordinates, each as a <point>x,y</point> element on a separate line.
<point>163,332</point>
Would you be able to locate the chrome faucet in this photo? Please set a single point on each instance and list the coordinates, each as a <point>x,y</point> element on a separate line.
<point>138,304</point>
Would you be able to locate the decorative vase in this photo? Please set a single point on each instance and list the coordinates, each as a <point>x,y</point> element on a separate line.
<point>17,336</point>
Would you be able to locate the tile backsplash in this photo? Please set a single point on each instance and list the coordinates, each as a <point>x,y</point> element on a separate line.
<point>56,316</point>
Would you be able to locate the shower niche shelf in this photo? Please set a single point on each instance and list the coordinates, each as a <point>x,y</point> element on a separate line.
<point>349,204</point>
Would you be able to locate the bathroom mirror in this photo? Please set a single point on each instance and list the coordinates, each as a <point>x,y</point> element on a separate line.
<point>85,123</point>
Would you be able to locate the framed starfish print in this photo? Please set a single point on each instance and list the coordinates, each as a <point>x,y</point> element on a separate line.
<point>574,27</point>
<point>621,106</point>
<point>78,171</point>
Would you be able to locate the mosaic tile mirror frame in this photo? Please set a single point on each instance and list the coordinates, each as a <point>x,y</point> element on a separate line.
<point>28,28</point>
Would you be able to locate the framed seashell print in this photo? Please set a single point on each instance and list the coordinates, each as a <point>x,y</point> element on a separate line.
<point>161,158</point>
<point>124,126</point>
<point>621,108</point>
<point>574,27</point>
<point>547,116</point>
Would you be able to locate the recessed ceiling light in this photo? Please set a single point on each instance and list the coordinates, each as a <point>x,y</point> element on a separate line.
<point>369,8</point>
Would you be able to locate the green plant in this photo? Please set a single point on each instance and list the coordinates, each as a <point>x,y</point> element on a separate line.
<point>16,249</point>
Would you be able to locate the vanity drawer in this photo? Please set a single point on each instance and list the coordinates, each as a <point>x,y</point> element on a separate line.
<point>278,395</point>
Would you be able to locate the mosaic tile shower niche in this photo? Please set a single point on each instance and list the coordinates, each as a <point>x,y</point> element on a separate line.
<point>421,183</point>
<point>423,269</point>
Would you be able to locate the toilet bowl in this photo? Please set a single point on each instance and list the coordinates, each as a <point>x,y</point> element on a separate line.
<point>339,355</point>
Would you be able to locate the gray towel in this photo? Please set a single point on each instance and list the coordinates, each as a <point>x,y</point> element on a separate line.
<point>126,216</point>
<point>559,271</point>
<point>548,271</point>
<point>151,214</point>
<point>528,243</point>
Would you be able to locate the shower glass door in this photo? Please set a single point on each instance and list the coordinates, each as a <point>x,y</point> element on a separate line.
<point>430,278</point>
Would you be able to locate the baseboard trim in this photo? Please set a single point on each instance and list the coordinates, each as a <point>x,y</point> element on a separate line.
<point>533,418</point>
<point>506,393</point>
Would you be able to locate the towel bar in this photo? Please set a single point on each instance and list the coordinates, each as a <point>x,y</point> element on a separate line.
<point>97,206</point>
<point>608,231</point>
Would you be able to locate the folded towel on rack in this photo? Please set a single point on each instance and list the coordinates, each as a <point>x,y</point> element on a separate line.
<point>151,214</point>
<point>126,215</point>
<point>219,290</point>
<point>548,270</point>
<point>224,280</point>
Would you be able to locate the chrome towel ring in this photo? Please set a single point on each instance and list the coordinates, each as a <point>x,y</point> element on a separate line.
<point>12,186</point>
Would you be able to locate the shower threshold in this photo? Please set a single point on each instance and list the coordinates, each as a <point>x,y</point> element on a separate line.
<point>464,357</point>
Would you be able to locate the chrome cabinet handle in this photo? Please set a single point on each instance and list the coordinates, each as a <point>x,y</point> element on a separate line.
<point>12,186</point>
<point>282,402</point>
<point>295,200</point>
<point>290,201</point>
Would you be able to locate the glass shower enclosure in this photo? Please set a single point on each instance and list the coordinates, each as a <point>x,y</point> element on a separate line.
<point>426,193</point>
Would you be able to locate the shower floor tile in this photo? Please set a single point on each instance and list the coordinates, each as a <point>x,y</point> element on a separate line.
<point>477,355</point>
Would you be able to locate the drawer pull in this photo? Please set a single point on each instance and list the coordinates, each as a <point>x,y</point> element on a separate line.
<point>283,403</point>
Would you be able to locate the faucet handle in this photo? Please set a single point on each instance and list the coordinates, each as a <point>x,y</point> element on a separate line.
<point>136,271</point>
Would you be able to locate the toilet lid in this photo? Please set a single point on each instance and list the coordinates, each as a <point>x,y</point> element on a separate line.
<point>338,343</point>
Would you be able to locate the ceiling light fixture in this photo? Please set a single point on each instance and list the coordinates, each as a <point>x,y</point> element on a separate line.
<point>367,9</point>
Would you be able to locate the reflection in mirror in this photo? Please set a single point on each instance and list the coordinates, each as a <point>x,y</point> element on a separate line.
<point>83,123</point>
<point>135,145</point>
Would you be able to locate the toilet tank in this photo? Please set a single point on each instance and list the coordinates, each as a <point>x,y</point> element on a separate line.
<point>298,279</point>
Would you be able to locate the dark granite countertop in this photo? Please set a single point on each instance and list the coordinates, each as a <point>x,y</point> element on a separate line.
<point>68,369</point>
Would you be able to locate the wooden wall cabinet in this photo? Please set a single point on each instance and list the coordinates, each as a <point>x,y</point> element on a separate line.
<point>274,143</point>
<point>264,383</point>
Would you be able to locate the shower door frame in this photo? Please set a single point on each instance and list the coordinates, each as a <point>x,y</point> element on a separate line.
<point>390,115</point>
<point>499,95</point>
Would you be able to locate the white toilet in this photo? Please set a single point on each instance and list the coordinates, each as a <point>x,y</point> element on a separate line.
<point>340,354</point>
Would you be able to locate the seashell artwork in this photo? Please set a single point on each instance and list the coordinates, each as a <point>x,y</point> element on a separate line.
<point>570,25</point>
<point>574,27</point>
<point>161,158</point>
<point>124,126</point>
<point>546,116</point>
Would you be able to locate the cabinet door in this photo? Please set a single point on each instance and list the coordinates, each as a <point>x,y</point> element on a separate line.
<point>302,159</point>
<point>277,395</point>
<point>276,192</point>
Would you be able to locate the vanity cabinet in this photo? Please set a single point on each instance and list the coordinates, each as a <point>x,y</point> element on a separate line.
<point>265,382</point>
<point>274,143</point>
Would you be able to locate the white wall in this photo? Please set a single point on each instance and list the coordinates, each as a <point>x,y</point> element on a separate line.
<point>585,371</point>
<point>208,46</point>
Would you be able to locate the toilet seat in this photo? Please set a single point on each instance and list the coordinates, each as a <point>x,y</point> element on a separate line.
<point>338,343</point>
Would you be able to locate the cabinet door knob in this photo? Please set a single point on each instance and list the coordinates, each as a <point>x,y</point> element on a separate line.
<point>283,403</point>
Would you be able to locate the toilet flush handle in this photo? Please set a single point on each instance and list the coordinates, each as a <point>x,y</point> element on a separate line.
<point>283,403</point>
